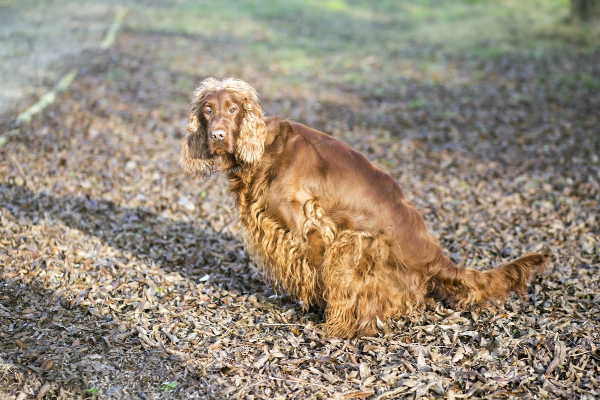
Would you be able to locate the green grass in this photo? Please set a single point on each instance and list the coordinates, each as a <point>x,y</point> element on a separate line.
<point>319,26</point>
<point>168,386</point>
<point>93,391</point>
<point>353,42</point>
<point>580,78</point>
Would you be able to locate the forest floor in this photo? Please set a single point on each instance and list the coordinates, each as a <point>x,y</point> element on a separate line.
<point>122,278</point>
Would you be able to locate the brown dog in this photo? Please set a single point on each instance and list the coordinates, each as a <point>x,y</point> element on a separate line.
<point>323,222</point>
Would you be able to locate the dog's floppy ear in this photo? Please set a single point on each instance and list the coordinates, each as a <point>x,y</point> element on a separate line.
<point>253,131</point>
<point>195,157</point>
<point>272,124</point>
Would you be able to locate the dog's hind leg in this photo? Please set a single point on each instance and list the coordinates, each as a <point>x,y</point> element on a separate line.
<point>360,285</point>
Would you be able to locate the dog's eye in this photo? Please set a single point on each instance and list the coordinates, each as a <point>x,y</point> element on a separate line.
<point>232,109</point>
<point>208,111</point>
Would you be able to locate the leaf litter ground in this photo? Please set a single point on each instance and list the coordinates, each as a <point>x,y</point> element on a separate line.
<point>122,278</point>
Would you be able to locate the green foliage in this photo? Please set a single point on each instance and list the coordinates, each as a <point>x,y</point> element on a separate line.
<point>168,386</point>
<point>417,103</point>
<point>93,391</point>
<point>580,79</point>
<point>589,81</point>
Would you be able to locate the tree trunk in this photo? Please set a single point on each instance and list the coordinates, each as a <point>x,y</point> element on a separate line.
<point>585,10</point>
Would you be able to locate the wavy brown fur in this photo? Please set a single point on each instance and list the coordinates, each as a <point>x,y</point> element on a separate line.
<point>325,224</point>
<point>466,286</point>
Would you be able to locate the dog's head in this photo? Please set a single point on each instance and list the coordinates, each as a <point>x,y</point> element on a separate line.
<point>226,127</point>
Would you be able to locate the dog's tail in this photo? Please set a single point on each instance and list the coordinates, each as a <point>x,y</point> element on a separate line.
<point>466,286</point>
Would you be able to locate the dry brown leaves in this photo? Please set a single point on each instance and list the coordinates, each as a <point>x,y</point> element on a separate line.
<point>121,278</point>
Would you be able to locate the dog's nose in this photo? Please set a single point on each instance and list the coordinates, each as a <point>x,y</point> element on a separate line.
<point>218,134</point>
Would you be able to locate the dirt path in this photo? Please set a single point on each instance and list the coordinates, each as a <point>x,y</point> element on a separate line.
<point>41,41</point>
